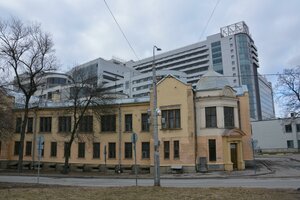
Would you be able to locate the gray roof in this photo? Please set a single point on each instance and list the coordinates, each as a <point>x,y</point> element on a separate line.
<point>211,80</point>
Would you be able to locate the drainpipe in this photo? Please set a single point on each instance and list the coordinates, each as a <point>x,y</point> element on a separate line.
<point>120,139</point>
<point>195,129</point>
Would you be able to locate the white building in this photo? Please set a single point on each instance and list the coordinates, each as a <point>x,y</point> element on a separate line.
<point>277,135</point>
<point>134,85</point>
<point>102,71</point>
<point>231,52</point>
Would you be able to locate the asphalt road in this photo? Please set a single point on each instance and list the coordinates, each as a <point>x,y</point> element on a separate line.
<point>293,183</point>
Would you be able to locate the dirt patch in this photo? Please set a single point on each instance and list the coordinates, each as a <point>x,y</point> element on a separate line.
<point>33,191</point>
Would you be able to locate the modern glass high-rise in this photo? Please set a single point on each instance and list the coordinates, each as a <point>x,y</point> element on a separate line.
<point>231,52</point>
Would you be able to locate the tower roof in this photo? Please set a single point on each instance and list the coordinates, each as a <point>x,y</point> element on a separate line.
<point>211,80</point>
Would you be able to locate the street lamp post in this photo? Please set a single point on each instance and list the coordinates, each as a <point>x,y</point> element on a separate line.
<point>155,127</point>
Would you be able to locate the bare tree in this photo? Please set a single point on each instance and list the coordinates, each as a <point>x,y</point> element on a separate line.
<point>85,96</point>
<point>288,90</point>
<point>6,116</point>
<point>27,52</point>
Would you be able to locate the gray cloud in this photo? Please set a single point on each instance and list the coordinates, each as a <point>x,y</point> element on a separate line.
<point>84,30</point>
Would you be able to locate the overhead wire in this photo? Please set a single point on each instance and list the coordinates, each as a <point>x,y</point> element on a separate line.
<point>252,75</point>
<point>212,13</point>
<point>129,44</point>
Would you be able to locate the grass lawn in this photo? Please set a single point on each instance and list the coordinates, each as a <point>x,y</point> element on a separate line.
<point>31,191</point>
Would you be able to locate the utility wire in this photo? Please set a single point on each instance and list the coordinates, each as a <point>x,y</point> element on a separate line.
<point>252,75</point>
<point>121,30</point>
<point>212,13</point>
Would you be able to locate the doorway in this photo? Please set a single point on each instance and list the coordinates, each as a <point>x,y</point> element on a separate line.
<point>233,154</point>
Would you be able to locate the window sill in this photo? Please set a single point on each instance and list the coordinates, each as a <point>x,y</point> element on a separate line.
<point>170,129</point>
<point>86,132</point>
<point>145,158</point>
<point>108,132</point>
<point>64,132</point>
<point>128,131</point>
<point>142,131</point>
<point>230,127</point>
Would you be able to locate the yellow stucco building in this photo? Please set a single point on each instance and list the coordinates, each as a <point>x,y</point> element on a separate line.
<point>198,130</point>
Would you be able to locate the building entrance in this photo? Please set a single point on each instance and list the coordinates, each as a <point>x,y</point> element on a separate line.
<point>233,154</point>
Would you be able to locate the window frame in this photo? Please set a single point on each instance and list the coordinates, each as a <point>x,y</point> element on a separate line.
<point>288,128</point>
<point>229,117</point>
<point>112,150</point>
<point>128,150</point>
<point>176,149</point>
<point>290,144</point>
<point>30,125</point>
<point>65,149</point>
<point>211,117</point>
<point>171,119</point>
<point>81,150</point>
<point>45,124</point>
<point>212,150</point>
<point>128,122</point>
<point>108,123</point>
<point>53,149</point>
<point>17,148</point>
<point>64,124</point>
<point>167,150</point>
<point>86,124</point>
<point>145,127</point>
<point>18,126</point>
<point>298,128</point>
<point>96,150</point>
<point>28,148</point>
<point>145,150</point>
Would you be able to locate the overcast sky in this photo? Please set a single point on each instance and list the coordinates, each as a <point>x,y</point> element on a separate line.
<point>84,29</point>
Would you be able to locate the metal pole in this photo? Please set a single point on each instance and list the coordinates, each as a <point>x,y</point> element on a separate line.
<point>105,156</point>
<point>253,149</point>
<point>155,128</point>
<point>39,158</point>
<point>120,139</point>
<point>135,167</point>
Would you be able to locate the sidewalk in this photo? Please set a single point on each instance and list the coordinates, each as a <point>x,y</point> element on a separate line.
<point>261,169</point>
<point>267,166</point>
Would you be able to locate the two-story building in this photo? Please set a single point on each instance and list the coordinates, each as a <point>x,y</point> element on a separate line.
<point>209,127</point>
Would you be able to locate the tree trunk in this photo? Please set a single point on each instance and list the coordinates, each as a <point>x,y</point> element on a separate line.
<point>66,165</point>
<point>22,137</point>
<point>66,169</point>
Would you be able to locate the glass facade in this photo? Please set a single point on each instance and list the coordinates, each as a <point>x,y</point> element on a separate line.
<point>216,53</point>
<point>247,71</point>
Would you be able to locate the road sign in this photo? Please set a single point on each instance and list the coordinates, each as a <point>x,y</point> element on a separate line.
<point>40,142</point>
<point>40,145</point>
<point>134,138</point>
